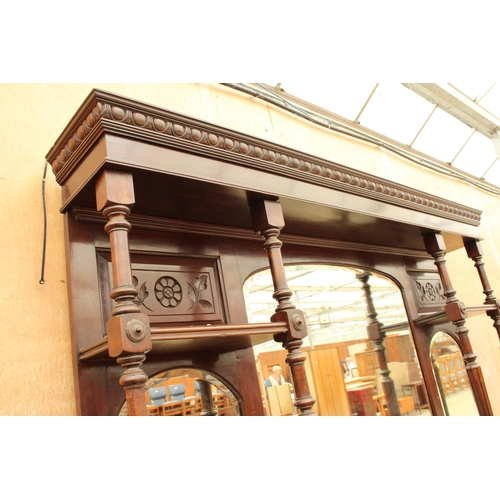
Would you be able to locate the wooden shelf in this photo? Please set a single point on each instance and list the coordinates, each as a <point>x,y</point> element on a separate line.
<point>395,327</point>
<point>440,316</point>
<point>218,338</point>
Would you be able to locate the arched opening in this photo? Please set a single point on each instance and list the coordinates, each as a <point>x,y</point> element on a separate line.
<point>188,392</point>
<point>343,364</point>
<point>451,376</point>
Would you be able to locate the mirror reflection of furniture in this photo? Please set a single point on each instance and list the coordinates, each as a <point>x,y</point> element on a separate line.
<point>367,363</point>
<point>191,406</point>
<point>280,400</point>
<point>361,401</point>
<point>399,374</point>
<point>406,405</point>
<point>406,393</point>
<point>415,386</point>
<point>154,411</point>
<point>452,372</point>
<point>177,391</point>
<point>444,375</point>
<point>172,409</point>
<point>456,371</point>
<point>326,378</point>
<point>204,395</point>
<point>158,395</point>
<point>451,376</point>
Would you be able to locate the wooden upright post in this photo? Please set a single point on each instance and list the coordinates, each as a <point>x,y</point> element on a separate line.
<point>129,335</point>
<point>377,336</point>
<point>475,252</point>
<point>456,312</point>
<point>267,218</point>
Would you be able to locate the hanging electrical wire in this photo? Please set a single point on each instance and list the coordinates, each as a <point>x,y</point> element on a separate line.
<point>44,238</point>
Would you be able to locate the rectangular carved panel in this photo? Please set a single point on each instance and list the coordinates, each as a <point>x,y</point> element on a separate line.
<point>428,291</point>
<point>170,289</point>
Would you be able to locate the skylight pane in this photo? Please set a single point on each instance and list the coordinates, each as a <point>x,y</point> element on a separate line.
<point>396,112</point>
<point>477,155</point>
<point>491,101</point>
<point>443,136</point>
<point>493,174</point>
<point>340,97</point>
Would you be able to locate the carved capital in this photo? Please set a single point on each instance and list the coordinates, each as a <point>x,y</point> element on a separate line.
<point>267,214</point>
<point>114,188</point>
<point>434,243</point>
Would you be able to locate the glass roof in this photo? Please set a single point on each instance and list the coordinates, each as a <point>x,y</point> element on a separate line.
<point>401,113</point>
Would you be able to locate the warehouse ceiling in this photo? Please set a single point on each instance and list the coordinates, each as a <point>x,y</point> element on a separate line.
<point>455,124</point>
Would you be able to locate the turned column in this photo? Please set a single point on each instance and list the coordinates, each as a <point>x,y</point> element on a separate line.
<point>207,403</point>
<point>456,313</point>
<point>377,336</point>
<point>267,218</point>
<point>128,332</point>
<point>475,252</point>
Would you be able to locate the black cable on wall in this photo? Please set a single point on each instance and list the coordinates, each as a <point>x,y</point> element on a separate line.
<point>44,238</point>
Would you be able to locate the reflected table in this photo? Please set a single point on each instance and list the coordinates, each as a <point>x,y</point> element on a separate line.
<point>361,401</point>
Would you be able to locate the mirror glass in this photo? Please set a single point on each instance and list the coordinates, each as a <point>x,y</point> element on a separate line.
<point>451,376</point>
<point>342,365</point>
<point>187,392</point>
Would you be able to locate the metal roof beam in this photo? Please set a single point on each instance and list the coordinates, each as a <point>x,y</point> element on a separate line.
<point>451,100</point>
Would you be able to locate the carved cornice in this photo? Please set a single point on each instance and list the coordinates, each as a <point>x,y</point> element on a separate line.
<point>104,112</point>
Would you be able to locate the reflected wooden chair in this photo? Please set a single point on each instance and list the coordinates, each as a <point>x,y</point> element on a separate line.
<point>219,400</point>
<point>153,411</point>
<point>191,406</point>
<point>406,405</point>
<point>381,403</point>
<point>455,381</point>
<point>448,386</point>
<point>172,409</point>
<point>458,374</point>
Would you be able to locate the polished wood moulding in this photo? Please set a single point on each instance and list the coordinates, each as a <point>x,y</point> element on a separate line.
<point>207,338</point>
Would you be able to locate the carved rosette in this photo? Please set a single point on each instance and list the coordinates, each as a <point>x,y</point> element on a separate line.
<point>168,291</point>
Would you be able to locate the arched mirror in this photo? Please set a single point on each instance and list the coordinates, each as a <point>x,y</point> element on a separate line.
<point>188,392</point>
<point>342,364</point>
<point>451,376</point>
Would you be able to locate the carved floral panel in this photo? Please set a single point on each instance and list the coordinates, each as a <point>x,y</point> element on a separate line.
<point>428,291</point>
<point>171,293</point>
